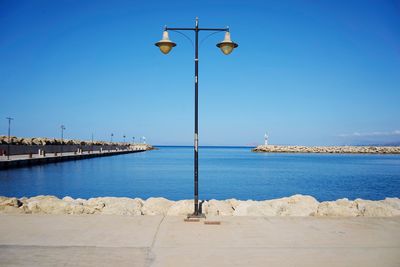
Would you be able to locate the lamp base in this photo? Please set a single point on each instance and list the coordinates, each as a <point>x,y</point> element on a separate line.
<point>196,216</point>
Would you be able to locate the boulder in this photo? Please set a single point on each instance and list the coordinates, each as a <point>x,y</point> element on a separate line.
<point>36,141</point>
<point>233,202</point>
<point>339,208</point>
<point>156,206</point>
<point>122,206</point>
<point>219,207</point>
<point>95,205</point>
<point>297,205</point>
<point>181,207</point>
<point>394,202</point>
<point>376,208</point>
<point>254,208</point>
<point>10,205</point>
<point>47,205</point>
<point>10,201</point>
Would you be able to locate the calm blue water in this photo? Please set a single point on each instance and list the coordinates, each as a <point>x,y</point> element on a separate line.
<point>224,173</point>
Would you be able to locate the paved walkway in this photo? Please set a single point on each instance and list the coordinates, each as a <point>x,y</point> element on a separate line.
<point>101,240</point>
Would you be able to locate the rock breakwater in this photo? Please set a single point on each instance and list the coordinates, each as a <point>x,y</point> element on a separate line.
<point>297,205</point>
<point>329,149</point>
<point>44,141</point>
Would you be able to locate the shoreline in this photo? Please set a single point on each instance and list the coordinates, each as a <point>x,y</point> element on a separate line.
<point>328,149</point>
<point>296,206</point>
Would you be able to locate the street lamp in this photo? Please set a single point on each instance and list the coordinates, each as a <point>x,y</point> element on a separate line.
<point>226,47</point>
<point>111,140</point>
<point>9,136</point>
<point>62,138</point>
<point>91,147</point>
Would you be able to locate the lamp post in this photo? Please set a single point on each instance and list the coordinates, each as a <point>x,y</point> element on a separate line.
<point>111,141</point>
<point>9,136</point>
<point>91,147</point>
<point>133,139</point>
<point>226,47</point>
<point>62,138</point>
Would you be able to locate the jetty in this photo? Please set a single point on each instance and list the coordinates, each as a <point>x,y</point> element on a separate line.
<point>329,149</point>
<point>18,152</point>
<point>17,161</point>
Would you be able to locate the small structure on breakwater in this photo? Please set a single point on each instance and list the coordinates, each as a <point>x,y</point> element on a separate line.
<point>266,139</point>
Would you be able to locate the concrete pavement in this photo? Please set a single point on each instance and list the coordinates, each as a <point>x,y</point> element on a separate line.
<point>101,240</point>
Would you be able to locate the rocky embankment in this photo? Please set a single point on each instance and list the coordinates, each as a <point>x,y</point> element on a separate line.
<point>43,141</point>
<point>329,149</point>
<point>297,205</point>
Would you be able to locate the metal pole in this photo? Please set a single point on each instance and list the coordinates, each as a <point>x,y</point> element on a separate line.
<point>9,137</point>
<point>196,121</point>
<point>197,212</point>
<point>62,139</point>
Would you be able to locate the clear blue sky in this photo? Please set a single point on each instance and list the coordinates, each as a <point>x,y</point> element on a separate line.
<point>308,72</point>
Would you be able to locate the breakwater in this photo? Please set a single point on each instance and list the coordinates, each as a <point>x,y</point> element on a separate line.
<point>329,149</point>
<point>39,145</point>
<point>297,205</point>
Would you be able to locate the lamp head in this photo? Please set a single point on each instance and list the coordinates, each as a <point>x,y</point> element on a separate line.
<point>227,45</point>
<point>165,44</point>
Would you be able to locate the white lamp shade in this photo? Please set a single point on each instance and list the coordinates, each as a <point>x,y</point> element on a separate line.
<point>165,44</point>
<point>227,45</point>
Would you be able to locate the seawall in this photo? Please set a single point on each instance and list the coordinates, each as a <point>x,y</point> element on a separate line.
<point>297,205</point>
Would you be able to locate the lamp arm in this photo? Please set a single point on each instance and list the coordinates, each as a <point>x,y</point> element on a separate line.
<point>187,37</point>
<point>209,35</point>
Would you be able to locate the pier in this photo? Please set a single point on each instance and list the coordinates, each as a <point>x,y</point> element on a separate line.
<point>25,160</point>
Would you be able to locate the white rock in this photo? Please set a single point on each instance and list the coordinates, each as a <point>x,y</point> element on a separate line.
<point>219,207</point>
<point>181,207</point>
<point>376,208</point>
<point>233,202</point>
<point>297,205</point>
<point>156,206</point>
<point>68,199</point>
<point>394,202</point>
<point>339,208</point>
<point>46,205</point>
<point>9,202</point>
<point>254,208</point>
<point>122,206</point>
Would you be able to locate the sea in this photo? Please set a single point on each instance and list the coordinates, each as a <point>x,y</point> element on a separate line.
<point>224,172</point>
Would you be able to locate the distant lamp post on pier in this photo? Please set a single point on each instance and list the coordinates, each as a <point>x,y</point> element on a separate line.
<point>133,140</point>
<point>62,138</point>
<point>9,137</point>
<point>91,147</point>
<point>111,140</point>
<point>226,46</point>
<point>124,136</point>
